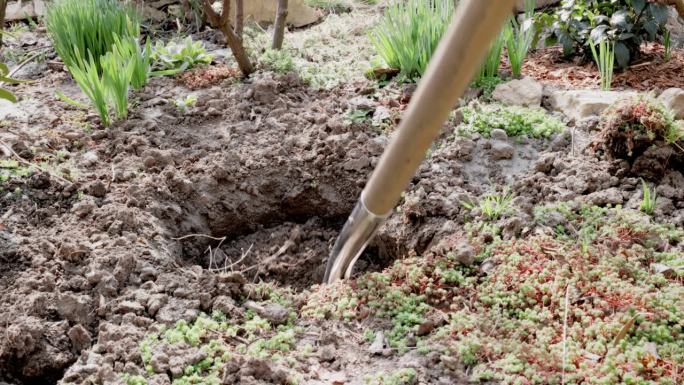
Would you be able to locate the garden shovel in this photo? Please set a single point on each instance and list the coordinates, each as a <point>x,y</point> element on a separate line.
<point>459,55</point>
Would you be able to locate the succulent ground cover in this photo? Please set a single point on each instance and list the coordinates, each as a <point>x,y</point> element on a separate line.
<point>593,296</point>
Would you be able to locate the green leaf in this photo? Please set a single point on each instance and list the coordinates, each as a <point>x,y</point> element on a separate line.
<point>622,55</point>
<point>651,28</point>
<point>7,95</point>
<point>620,19</point>
<point>638,5</point>
<point>659,12</point>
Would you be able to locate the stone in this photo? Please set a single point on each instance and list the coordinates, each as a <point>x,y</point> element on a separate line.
<point>20,10</point>
<point>673,98</point>
<point>327,353</point>
<point>299,14</point>
<point>581,104</point>
<point>525,92</point>
<point>275,313</point>
<point>502,150</point>
<point>463,252</point>
<point>612,196</point>
<point>499,134</point>
<point>130,307</point>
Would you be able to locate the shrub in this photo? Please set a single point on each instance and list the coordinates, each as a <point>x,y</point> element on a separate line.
<point>88,28</point>
<point>515,120</point>
<point>409,32</point>
<point>626,22</point>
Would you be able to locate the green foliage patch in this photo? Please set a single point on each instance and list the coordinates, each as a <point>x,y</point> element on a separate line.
<point>515,120</point>
<point>627,23</point>
<point>409,32</point>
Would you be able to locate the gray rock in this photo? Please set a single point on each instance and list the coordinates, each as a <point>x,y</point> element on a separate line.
<point>159,362</point>
<point>463,252</point>
<point>673,98</point>
<point>499,134</point>
<point>273,312</point>
<point>581,104</point>
<point>612,196</point>
<point>519,92</point>
<point>502,150</point>
<point>379,343</point>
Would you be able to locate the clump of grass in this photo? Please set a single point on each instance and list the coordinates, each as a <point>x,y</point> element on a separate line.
<point>140,57</point>
<point>519,38</point>
<point>515,120</point>
<point>487,84</point>
<point>81,28</point>
<point>492,62</point>
<point>667,43</point>
<point>409,32</point>
<point>92,83</point>
<point>117,73</point>
<point>493,206</point>
<point>605,61</point>
<point>648,199</point>
<point>279,61</point>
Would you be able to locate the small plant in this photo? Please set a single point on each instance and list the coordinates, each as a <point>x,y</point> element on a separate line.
<point>178,55</point>
<point>80,28</point>
<point>667,43</point>
<point>182,105</point>
<point>279,61</point>
<point>487,84</point>
<point>490,67</point>
<point>648,199</point>
<point>409,32</point>
<point>117,74</point>
<point>605,60</point>
<point>88,78</point>
<point>515,120</point>
<point>140,57</point>
<point>493,206</point>
<point>519,38</point>
<point>4,78</point>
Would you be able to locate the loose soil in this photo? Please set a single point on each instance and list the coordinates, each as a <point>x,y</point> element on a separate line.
<point>171,214</point>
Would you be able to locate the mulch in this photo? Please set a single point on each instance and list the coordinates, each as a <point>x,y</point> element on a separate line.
<point>649,72</point>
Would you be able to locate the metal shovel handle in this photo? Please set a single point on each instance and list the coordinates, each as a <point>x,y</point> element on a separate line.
<point>459,55</point>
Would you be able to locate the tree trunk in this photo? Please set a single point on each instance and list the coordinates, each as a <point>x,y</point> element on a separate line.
<point>222,22</point>
<point>3,8</point>
<point>239,18</point>
<point>279,27</point>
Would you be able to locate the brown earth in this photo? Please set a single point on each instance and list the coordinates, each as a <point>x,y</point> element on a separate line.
<point>168,214</point>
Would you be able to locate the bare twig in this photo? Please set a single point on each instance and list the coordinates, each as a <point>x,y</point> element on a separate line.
<point>197,235</point>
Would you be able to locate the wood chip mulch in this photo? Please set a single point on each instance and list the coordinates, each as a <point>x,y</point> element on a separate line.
<point>649,72</point>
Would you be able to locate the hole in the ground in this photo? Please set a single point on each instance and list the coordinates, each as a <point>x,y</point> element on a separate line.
<point>292,253</point>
